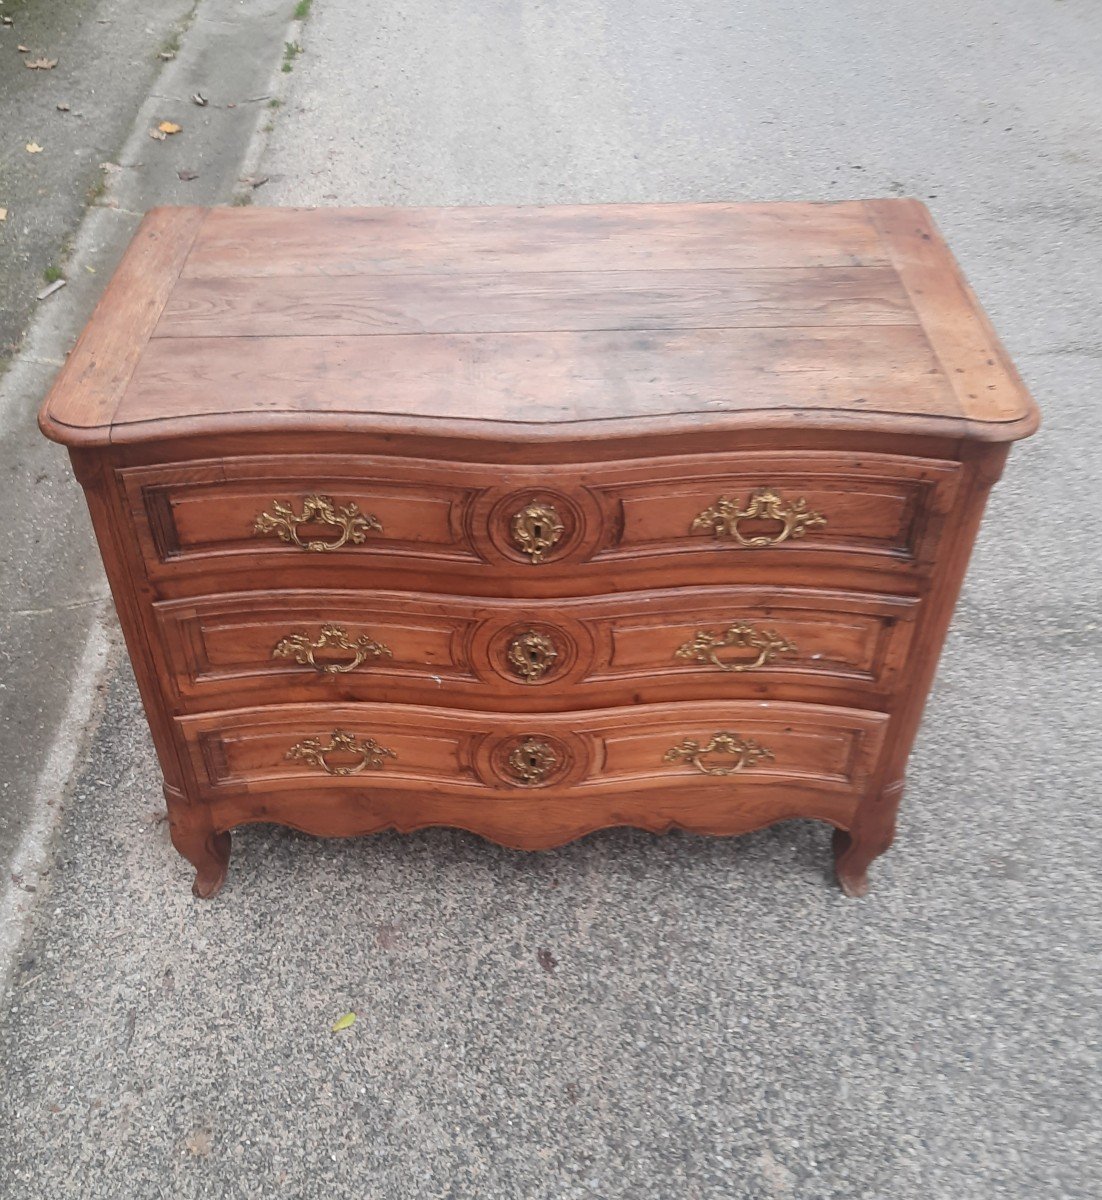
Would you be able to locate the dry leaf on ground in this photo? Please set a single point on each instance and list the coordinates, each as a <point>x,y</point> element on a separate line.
<point>23,49</point>
<point>62,107</point>
<point>169,127</point>
<point>34,148</point>
<point>167,55</point>
<point>3,214</point>
<point>40,64</point>
<point>345,1022</point>
<point>200,99</point>
<point>157,135</point>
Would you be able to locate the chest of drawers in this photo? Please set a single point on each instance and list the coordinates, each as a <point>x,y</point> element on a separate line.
<point>536,521</point>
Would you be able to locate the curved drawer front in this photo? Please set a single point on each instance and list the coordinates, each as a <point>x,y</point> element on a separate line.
<point>695,643</point>
<point>533,781</point>
<point>345,521</point>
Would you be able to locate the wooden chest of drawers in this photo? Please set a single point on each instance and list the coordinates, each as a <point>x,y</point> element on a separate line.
<point>536,521</point>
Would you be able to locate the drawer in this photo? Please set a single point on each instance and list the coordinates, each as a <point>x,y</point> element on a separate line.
<point>753,513</point>
<point>358,522</point>
<point>245,648</point>
<point>532,782</point>
<point>352,513</point>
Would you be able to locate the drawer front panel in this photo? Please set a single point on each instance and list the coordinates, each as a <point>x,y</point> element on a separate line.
<point>283,647</point>
<point>316,765</point>
<point>330,521</point>
<point>813,504</point>
<point>237,513</point>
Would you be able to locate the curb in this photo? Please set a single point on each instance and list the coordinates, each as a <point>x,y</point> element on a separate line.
<point>230,143</point>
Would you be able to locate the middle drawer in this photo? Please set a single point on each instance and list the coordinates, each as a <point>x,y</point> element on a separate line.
<point>293,646</point>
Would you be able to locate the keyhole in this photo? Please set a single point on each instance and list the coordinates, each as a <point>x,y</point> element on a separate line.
<point>533,761</point>
<point>537,531</point>
<point>533,657</point>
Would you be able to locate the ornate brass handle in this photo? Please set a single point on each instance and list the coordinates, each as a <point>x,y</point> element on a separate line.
<point>766,642</point>
<point>283,521</point>
<point>765,504</point>
<point>747,753</point>
<point>531,761</point>
<point>536,528</point>
<point>299,647</point>
<point>531,655</point>
<point>313,753</point>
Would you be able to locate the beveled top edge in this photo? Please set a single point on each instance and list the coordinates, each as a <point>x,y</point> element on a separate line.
<point>397,431</point>
<point>86,405</point>
<point>88,390</point>
<point>973,359</point>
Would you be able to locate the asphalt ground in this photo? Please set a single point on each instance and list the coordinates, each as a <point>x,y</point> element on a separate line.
<point>106,61</point>
<point>71,210</point>
<point>52,589</point>
<point>633,1016</point>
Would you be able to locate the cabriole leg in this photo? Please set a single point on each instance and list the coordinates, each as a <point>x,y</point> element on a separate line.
<point>872,833</point>
<point>207,850</point>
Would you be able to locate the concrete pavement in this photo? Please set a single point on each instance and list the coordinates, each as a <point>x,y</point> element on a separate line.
<point>74,207</point>
<point>713,1020</point>
<point>53,594</point>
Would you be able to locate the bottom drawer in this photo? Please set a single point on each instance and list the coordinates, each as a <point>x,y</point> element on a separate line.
<point>533,782</point>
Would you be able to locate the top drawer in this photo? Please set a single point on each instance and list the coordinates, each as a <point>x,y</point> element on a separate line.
<point>327,521</point>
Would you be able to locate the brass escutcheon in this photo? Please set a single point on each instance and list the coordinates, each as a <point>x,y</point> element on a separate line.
<point>531,761</point>
<point>746,753</point>
<point>704,647</point>
<point>312,752</point>
<point>531,655</point>
<point>765,504</point>
<point>299,647</point>
<point>283,521</point>
<point>536,528</point>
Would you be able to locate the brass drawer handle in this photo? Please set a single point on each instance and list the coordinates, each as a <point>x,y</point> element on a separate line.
<point>313,753</point>
<point>765,505</point>
<point>283,521</point>
<point>531,655</point>
<point>747,753</point>
<point>299,647</point>
<point>704,647</point>
<point>536,529</point>
<point>531,761</point>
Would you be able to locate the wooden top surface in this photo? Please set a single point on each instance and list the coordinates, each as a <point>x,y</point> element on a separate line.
<point>538,323</point>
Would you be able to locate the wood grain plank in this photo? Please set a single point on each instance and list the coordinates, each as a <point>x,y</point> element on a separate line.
<point>614,237</point>
<point>89,387</point>
<point>543,378</point>
<point>976,364</point>
<point>533,301</point>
